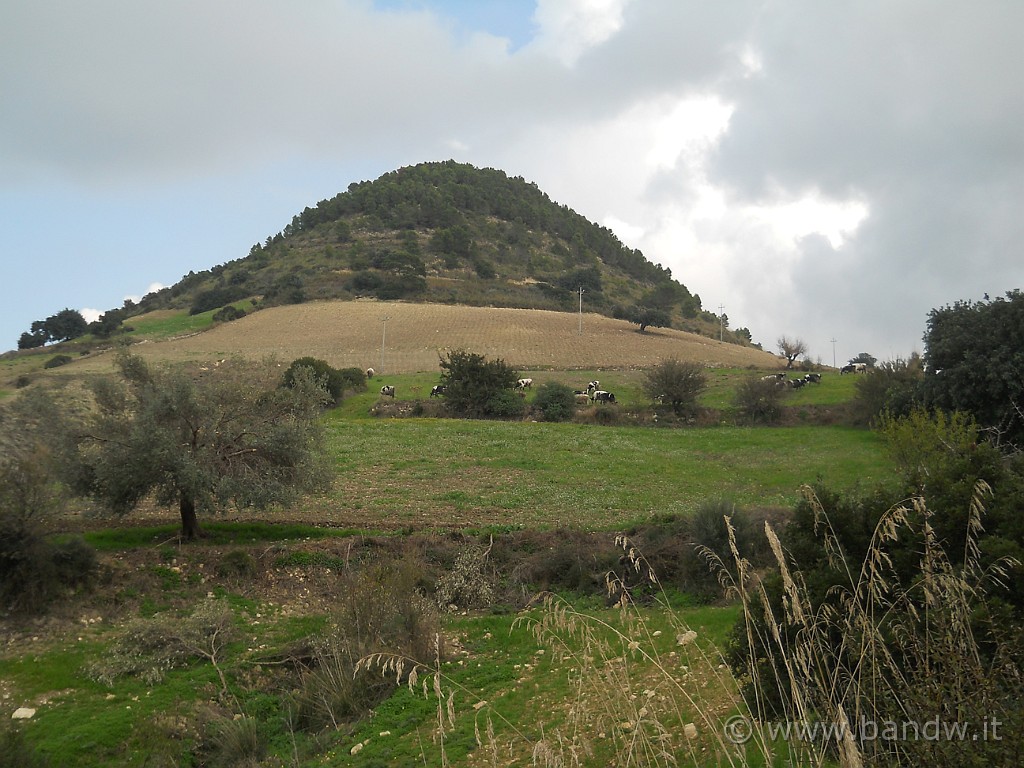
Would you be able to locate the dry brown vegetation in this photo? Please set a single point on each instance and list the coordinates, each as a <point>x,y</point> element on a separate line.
<point>350,334</point>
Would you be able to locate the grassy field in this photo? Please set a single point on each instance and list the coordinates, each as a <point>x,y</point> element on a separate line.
<point>450,473</point>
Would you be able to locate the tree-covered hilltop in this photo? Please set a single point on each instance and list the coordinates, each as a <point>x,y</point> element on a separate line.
<point>444,232</point>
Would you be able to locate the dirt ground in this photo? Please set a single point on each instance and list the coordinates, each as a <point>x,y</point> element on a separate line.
<point>411,338</point>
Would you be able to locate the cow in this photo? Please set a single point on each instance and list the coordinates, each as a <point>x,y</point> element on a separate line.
<point>524,383</point>
<point>437,390</point>
<point>774,377</point>
<point>854,368</point>
<point>388,390</point>
<point>600,396</point>
<point>370,373</point>
<point>812,378</point>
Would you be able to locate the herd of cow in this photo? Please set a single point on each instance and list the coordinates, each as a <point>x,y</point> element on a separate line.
<point>594,394</point>
<point>782,381</point>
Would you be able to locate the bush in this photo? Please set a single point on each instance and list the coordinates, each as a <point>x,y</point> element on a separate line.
<point>556,402</point>
<point>57,361</point>
<point>476,387</point>
<point>228,313</point>
<point>34,570</point>
<point>236,564</point>
<point>677,384</point>
<point>505,405</point>
<point>759,401</point>
<point>352,379</point>
<point>329,378</point>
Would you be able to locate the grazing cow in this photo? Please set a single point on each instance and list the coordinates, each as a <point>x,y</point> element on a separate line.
<point>854,368</point>
<point>388,390</point>
<point>774,377</point>
<point>600,396</point>
<point>812,378</point>
<point>524,383</point>
<point>582,398</point>
<point>594,386</point>
<point>437,390</point>
<point>797,383</point>
<point>370,373</point>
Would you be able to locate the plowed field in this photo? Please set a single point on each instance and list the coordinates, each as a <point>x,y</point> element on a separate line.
<point>412,336</point>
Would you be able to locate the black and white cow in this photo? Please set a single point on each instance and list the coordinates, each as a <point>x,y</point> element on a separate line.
<point>600,396</point>
<point>437,390</point>
<point>524,383</point>
<point>388,390</point>
<point>854,368</point>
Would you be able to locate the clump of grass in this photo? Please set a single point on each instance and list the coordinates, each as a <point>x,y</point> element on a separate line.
<point>378,608</point>
<point>238,741</point>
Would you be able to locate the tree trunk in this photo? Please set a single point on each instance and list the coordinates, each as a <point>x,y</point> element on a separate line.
<point>190,529</point>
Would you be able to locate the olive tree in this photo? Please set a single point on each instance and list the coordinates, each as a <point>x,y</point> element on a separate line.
<point>791,349</point>
<point>199,443</point>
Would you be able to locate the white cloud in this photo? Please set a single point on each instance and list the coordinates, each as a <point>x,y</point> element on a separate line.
<point>91,315</point>
<point>569,28</point>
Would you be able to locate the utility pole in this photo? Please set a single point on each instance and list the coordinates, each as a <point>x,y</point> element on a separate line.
<point>721,321</point>
<point>383,338</point>
<point>833,351</point>
<point>581,310</point>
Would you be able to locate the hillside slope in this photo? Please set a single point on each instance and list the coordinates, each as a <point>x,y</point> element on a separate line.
<point>444,233</point>
<point>350,334</point>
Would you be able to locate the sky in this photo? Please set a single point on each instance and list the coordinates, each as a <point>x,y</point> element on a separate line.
<point>828,172</point>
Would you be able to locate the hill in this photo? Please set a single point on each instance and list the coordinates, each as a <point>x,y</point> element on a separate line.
<point>446,233</point>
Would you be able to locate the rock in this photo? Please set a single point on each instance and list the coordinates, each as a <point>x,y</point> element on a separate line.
<point>23,713</point>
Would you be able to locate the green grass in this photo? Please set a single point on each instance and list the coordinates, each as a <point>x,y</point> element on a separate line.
<point>177,324</point>
<point>415,471</point>
<point>115,539</point>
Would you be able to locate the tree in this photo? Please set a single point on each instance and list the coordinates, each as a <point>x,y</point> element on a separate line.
<point>974,359</point>
<point>63,326</point>
<point>649,316</point>
<point>865,358</point>
<point>475,386</point>
<point>201,444</point>
<point>791,349</point>
<point>676,383</point>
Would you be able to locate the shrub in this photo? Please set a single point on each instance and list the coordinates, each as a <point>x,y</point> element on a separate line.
<point>149,648</point>
<point>34,570</point>
<point>57,361</point>
<point>470,583</point>
<point>329,378</point>
<point>236,564</point>
<point>759,401</point>
<point>505,405</point>
<point>228,313</point>
<point>556,402</point>
<point>677,384</point>
<point>473,385</point>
